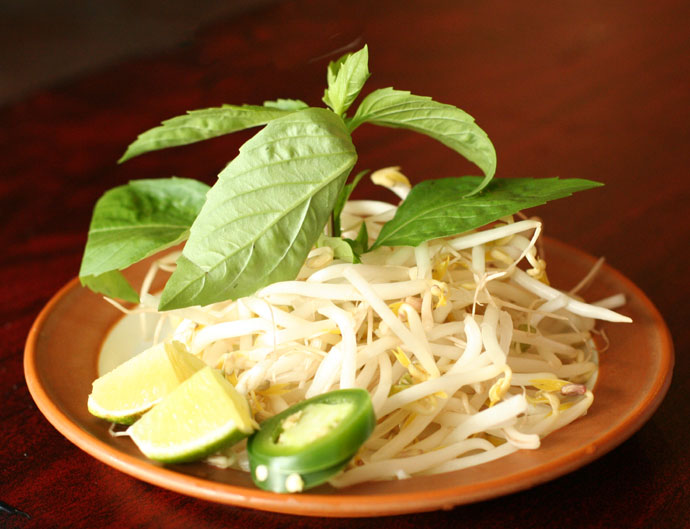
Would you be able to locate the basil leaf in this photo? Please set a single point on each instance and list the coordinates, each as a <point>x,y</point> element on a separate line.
<point>286,104</point>
<point>449,125</point>
<point>361,243</point>
<point>342,248</point>
<point>198,125</point>
<point>266,210</point>
<point>436,208</point>
<point>112,284</point>
<point>343,197</point>
<point>136,220</point>
<point>346,77</point>
<point>348,250</point>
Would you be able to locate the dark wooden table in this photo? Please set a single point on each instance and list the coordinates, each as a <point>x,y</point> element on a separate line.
<point>582,88</point>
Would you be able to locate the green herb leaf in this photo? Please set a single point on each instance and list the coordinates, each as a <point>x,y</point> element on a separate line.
<point>449,125</point>
<point>134,221</point>
<point>266,210</point>
<point>360,244</point>
<point>349,250</point>
<point>286,104</point>
<point>112,284</point>
<point>198,125</point>
<point>346,77</point>
<point>343,197</point>
<point>436,208</point>
<point>342,248</point>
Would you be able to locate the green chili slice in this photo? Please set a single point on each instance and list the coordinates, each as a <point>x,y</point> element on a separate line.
<point>311,441</point>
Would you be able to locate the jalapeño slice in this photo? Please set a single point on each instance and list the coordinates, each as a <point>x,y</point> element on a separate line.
<point>311,441</point>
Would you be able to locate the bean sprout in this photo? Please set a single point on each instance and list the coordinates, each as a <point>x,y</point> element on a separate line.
<point>462,344</point>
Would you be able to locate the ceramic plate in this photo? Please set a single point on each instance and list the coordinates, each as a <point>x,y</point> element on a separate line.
<point>61,362</point>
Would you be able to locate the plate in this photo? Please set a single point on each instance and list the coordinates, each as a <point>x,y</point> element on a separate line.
<point>61,357</point>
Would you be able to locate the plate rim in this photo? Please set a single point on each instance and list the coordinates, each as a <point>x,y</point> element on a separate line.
<point>339,505</point>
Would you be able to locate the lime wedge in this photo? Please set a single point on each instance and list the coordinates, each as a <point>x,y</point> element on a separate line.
<point>203,415</point>
<point>132,388</point>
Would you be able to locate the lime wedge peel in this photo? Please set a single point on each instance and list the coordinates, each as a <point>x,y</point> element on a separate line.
<point>202,416</point>
<point>134,387</point>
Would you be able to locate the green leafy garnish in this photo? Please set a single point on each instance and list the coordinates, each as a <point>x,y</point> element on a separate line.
<point>273,202</point>
<point>199,125</point>
<point>112,284</point>
<point>342,248</point>
<point>343,197</point>
<point>286,104</point>
<point>449,125</point>
<point>266,211</point>
<point>360,244</point>
<point>441,208</point>
<point>134,221</point>
<point>346,77</point>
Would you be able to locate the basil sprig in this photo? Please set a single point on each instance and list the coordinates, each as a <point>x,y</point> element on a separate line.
<point>272,203</point>
<point>346,77</point>
<point>266,211</point>
<point>132,222</point>
<point>199,125</point>
<point>449,125</point>
<point>441,208</point>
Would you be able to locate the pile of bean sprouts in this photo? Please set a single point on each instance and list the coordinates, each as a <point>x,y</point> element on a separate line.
<point>467,352</point>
